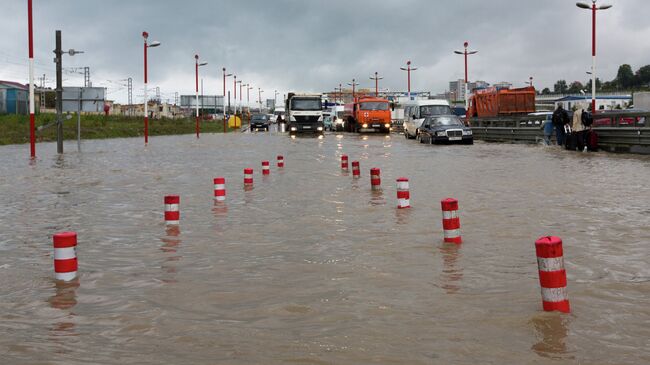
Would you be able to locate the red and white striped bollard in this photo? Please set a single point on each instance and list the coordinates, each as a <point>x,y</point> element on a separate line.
<point>266,168</point>
<point>280,161</point>
<point>344,163</point>
<point>65,255</point>
<point>356,172</point>
<point>172,213</point>
<point>375,178</point>
<point>403,194</point>
<point>248,177</point>
<point>451,220</point>
<point>219,189</point>
<point>552,275</point>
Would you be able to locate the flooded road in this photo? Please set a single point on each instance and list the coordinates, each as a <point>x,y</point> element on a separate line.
<point>311,266</point>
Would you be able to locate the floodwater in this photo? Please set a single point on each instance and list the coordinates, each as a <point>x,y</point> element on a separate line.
<point>311,266</point>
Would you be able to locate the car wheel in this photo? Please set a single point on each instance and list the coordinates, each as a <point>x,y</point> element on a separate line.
<point>422,140</point>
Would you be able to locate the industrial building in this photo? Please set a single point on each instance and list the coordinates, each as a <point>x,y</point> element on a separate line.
<point>14,98</point>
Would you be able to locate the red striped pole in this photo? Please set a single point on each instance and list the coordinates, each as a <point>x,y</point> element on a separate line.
<point>280,161</point>
<point>356,173</point>
<point>403,194</point>
<point>552,275</point>
<point>65,255</point>
<point>266,168</point>
<point>248,177</point>
<point>344,163</point>
<point>375,179</point>
<point>219,189</point>
<point>32,131</point>
<point>451,221</point>
<point>172,213</point>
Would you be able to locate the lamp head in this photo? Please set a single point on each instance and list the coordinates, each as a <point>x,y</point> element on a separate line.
<point>583,5</point>
<point>153,44</point>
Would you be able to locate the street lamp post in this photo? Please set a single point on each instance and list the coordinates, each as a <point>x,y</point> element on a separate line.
<point>530,81</point>
<point>275,97</point>
<point>197,64</point>
<point>376,78</point>
<point>353,84</point>
<point>224,98</point>
<point>593,9</point>
<point>147,45</point>
<point>465,52</point>
<point>241,107</point>
<point>408,70</point>
<point>260,91</point>
<point>234,90</point>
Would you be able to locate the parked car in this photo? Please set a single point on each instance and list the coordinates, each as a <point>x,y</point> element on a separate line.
<point>259,121</point>
<point>444,129</point>
<point>603,118</point>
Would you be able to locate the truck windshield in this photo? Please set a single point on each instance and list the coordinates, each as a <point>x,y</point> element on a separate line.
<point>374,105</point>
<point>428,110</point>
<point>306,104</point>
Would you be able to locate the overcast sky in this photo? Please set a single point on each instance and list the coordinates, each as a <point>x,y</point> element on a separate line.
<point>293,45</point>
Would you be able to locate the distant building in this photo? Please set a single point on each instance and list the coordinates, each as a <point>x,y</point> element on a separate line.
<point>155,109</point>
<point>14,98</point>
<point>602,102</point>
<point>457,88</point>
<point>208,104</point>
<point>503,85</point>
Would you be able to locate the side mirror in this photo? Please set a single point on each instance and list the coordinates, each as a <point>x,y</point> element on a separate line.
<point>414,117</point>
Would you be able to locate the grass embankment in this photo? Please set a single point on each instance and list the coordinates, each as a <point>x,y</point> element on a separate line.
<point>14,129</point>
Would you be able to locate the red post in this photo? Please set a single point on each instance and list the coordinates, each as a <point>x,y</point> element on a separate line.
<point>32,131</point>
<point>593,55</point>
<point>234,88</point>
<point>552,275</point>
<point>450,221</point>
<point>408,64</point>
<point>65,255</point>
<point>196,57</point>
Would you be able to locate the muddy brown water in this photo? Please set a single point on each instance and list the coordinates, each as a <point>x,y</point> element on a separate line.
<point>311,267</point>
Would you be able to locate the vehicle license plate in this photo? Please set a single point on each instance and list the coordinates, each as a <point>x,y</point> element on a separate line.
<point>375,125</point>
<point>306,127</point>
<point>455,138</point>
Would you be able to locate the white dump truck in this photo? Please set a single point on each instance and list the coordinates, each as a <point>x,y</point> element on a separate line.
<point>304,113</point>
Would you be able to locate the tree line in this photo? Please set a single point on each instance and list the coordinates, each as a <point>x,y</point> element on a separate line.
<point>625,79</point>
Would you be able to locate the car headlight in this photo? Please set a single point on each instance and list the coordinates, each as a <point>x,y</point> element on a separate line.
<point>467,133</point>
<point>441,134</point>
<point>387,125</point>
<point>364,125</point>
<point>293,129</point>
<point>292,118</point>
<point>319,128</point>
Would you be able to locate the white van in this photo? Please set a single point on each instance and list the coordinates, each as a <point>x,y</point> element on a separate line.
<point>416,110</point>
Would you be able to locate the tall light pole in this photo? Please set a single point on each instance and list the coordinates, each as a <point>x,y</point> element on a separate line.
<point>32,131</point>
<point>145,35</point>
<point>234,90</point>
<point>593,8</point>
<point>376,78</point>
<point>248,94</point>
<point>465,52</point>
<point>241,107</point>
<point>353,84</point>
<point>260,91</point>
<point>275,97</point>
<point>530,81</point>
<point>224,98</point>
<point>197,64</point>
<point>408,70</point>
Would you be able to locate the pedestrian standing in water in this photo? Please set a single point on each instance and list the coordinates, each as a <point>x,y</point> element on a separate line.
<point>560,118</point>
<point>578,129</point>
<point>547,127</point>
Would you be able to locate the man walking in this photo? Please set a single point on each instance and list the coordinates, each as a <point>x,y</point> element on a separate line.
<point>560,118</point>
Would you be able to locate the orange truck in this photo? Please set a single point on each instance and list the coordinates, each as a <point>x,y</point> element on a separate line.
<point>367,114</point>
<point>493,102</point>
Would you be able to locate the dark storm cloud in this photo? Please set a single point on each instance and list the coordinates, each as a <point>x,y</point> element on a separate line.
<point>315,45</point>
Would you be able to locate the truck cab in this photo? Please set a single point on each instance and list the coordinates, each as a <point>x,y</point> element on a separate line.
<point>368,114</point>
<point>304,113</point>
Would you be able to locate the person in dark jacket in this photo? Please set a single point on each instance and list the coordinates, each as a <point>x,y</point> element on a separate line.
<point>560,118</point>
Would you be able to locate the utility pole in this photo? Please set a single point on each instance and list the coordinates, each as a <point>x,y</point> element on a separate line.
<point>59,93</point>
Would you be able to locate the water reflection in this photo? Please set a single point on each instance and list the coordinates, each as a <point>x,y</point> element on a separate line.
<point>552,329</point>
<point>402,216</point>
<point>377,197</point>
<point>452,273</point>
<point>65,299</point>
<point>171,243</point>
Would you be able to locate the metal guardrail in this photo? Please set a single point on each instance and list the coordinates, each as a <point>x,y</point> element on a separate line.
<point>622,132</point>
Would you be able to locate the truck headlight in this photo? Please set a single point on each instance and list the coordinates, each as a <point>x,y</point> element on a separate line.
<point>364,125</point>
<point>319,128</point>
<point>441,134</point>
<point>467,133</point>
<point>387,125</point>
<point>293,129</point>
